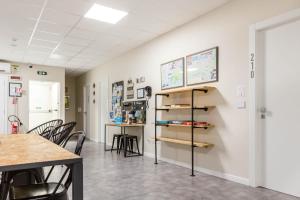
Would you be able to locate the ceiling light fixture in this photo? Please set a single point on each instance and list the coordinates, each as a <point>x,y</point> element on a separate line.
<point>105,14</point>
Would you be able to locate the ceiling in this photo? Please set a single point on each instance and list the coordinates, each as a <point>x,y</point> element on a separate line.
<point>55,33</point>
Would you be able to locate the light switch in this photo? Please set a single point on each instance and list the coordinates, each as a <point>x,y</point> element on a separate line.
<point>241,104</point>
<point>240,91</point>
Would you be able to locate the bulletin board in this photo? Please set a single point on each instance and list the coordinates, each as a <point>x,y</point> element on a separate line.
<point>172,74</point>
<point>202,67</point>
<point>117,97</point>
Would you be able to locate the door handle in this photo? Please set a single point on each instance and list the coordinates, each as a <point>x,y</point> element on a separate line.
<point>263,112</point>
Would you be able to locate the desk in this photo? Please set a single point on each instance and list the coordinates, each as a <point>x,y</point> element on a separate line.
<point>27,151</point>
<point>123,131</point>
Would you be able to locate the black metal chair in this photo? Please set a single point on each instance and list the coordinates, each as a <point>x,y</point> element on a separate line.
<point>129,144</point>
<point>116,137</point>
<point>23,177</point>
<point>46,128</point>
<point>48,190</point>
<point>59,134</point>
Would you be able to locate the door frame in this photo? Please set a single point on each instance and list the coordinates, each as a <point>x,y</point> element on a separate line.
<point>59,97</point>
<point>86,110</point>
<point>5,102</point>
<point>255,152</point>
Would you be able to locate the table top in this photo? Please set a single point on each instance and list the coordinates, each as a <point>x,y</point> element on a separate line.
<point>125,125</point>
<point>21,151</point>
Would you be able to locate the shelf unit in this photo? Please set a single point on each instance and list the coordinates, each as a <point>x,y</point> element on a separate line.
<point>184,142</point>
<point>194,144</point>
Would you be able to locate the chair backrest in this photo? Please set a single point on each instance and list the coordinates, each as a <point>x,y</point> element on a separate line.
<point>45,128</point>
<point>80,140</point>
<point>80,135</point>
<point>59,134</point>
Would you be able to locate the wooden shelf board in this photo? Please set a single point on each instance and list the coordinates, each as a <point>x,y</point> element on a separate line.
<point>185,89</point>
<point>185,107</point>
<point>184,142</point>
<point>175,108</point>
<point>182,125</point>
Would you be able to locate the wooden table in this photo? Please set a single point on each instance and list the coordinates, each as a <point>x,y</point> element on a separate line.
<point>27,151</point>
<point>123,131</point>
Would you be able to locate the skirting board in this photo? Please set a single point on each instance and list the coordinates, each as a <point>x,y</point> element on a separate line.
<point>222,175</point>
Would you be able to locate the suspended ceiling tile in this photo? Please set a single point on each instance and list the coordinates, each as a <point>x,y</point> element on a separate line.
<point>77,41</point>
<point>60,18</point>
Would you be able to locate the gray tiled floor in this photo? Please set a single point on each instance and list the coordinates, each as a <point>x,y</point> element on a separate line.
<point>109,176</point>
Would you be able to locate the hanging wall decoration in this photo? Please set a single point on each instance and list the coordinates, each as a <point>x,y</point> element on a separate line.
<point>15,89</point>
<point>172,74</point>
<point>140,93</point>
<point>94,93</point>
<point>67,102</point>
<point>202,67</point>
<point>117,99</point>
<point>130,89</point>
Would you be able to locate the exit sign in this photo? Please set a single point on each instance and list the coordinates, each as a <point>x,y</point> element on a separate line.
<point>42,73</point>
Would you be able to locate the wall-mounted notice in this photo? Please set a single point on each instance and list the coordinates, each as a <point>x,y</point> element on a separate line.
<point>202,67</point>
<point>117,98</point>
<point>172,74</point>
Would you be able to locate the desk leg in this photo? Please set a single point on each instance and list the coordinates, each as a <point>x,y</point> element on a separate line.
<point>125,143</point>
<point>105,138</point>
<point>77,181</point>
<point>143,140</point>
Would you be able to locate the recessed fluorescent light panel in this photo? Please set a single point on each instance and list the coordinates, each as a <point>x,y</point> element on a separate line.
<point>105,14</point>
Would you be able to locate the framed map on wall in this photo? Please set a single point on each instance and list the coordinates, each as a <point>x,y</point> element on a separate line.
<point>202,67</point>
<point>172,74</point>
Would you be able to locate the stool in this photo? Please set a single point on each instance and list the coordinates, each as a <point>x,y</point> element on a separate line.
<point>118,138</point>
<point>129,144</point>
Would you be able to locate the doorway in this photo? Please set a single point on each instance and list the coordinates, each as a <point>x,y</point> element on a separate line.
<point>44,102</point>
<point>275,104</point>
<point>86,109</point>
<point>3,103</point>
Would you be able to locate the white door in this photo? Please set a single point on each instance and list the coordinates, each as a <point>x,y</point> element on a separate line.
<point>3,103</point>
<point>280,108</point>
<point>44,102</point>
<point>86,109</point>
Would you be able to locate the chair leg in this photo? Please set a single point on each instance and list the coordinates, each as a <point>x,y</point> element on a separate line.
<point>121,145</point>
<point>137,145</point>
<point>4,186</point>
<point>113,143</point>
<point>126,145</point>
<point>118,144</point>
<point>131,145</point>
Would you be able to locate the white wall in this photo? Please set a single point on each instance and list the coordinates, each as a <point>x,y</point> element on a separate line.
<point>55,74</point>
<point>226,27</point>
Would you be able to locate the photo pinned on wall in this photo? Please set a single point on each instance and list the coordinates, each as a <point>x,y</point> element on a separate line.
<point>15,89</point>
<point>172,74</point>
<point>130,89</point>
<point>202,67</point>
<point>140,93</point>
<point>67,102</point>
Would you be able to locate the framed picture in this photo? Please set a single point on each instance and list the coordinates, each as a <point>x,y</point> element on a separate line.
<point>172,74</point>
<point>202,67</point>
<point>15,89</point>
<point>140,93</point>
<point>67,102</point>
